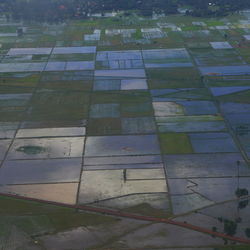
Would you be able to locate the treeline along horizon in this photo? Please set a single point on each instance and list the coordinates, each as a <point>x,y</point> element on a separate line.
<point>60,10</point>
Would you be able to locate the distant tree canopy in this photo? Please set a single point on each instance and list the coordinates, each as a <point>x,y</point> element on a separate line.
<point>59,10</point>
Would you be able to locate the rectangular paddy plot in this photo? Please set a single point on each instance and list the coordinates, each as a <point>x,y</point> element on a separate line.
<point>30,66</point>
<point>74,50</point>
<point>68,80</point>
<point>206,165</point>
<point>105,110</point>
<point>12,83</point>
<point>200,123</point>
<point>96,36</point>
<point>180,94</point>
<point>22,67</point>
<point>120,74</point>
<point>72,57</point>
<point>46,148</point>
<point>213,189</point>
<point>58,106</point>
<point>166,58</point>
<point>29,51</point>
<point>139,125</point>
<point>172,78</point>
<point>50,132</point>
<point>12,106</point>
<point>241,109</point>
<point>113,185</point>
<point>25,58</point>
<point>122,145</point>
<point>81,65</point>
<point>221,91</point>
<point>131,84</point>
<point>225,70</point>
<point>132,103</point>
<point>212,143</point>
<point>195,193</point>
<point>40,171</point>
<point>14,100</point>
<point>121,126</point>
<point>67,66</point>
<point>211,57</point>
<point>175,143</point>
<point>58,192</point>
<point>221,45</point>
<point>104,126</point>
<point>8,34</point>
<point>175,107</point>
<point>119,59</point>
<point>239,97</point>
<point>162,109</point>
<point>123,32</point>
<point>152,33</point>
<point>240,122</point>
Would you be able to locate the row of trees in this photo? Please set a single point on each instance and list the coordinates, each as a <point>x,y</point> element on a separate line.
<point>215,7</point>
<point>58,10</point>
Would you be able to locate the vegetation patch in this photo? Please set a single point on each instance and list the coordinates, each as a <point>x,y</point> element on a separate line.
<point>241,97</point>
<point>31,150</point>
<point>175,143</point>
<point>52,217</point>
<point>148,210</point>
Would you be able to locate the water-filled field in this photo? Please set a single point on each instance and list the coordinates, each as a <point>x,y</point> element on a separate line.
<point>150,118</point>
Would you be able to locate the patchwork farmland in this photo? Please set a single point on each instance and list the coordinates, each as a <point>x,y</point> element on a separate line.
<point>150,117</point>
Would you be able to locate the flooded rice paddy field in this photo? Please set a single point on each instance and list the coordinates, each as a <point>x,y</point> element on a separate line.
<point>150,118</point>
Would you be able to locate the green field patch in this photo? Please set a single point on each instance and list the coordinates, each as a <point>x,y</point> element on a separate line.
<point>192,93</point>
<point>175,143</point>
<point>241,97</point>
<point>173,73</point>
<point>30,225</point>
<point>137,34</point>
<point>104,126</point>
<point>215,23</point>
<point>245,53</point>
<point>67,85</point>
<point>202,36</point>
<point>58,105</point>
<point>191,28</point>
<point>198,45</point>
<point>211,57</point>
<point>31,150</point>
<point>136,109</point>
<point>148,210</point>
<point>46,217</point>
<point>4,89</point>
<point>19,79</point>
<point>11,115</point>
<point>72,57</point>
<point>228,81</point>
<point>173,78</point>
<point>121,97</point>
